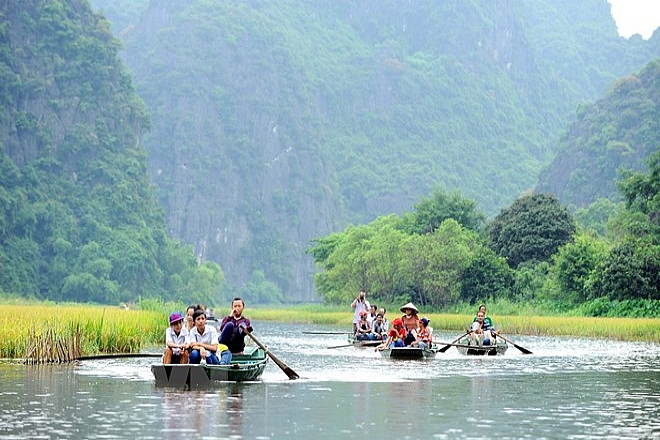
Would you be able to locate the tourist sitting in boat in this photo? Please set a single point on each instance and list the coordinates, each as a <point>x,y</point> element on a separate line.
<point>395,336</point>
<point>231,333</point>
<point>382,311</point>
<point>379,329</point>
<point>203,340</point>
<point>482,308</point>
<point>373,312</point>
<point>481,332</point>
<point>176,335</point>
<point>363,332</point>
<point>410,322</point>
<point>424,339</point>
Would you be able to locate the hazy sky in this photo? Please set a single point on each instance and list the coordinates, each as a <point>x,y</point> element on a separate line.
<point>636,16</point>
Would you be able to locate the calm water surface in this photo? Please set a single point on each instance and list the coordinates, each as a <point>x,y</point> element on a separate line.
<point>568,389</point>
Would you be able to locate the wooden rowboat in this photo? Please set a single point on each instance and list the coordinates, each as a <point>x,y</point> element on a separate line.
<point>362,343</point>
<point>248,366</point>
<point>498,348</point>
<point>409,353</point>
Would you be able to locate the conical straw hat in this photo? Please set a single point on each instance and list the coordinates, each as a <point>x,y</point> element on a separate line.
<point>410,306</point>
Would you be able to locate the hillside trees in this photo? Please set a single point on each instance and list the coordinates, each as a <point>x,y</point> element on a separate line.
<point>78,219</point>
<point>396,263</point>
<point>531,229</point>
<point>632,268</point>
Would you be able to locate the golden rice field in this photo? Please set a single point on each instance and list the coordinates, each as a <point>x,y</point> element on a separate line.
<point>72,330</point>
<point>81,330</point>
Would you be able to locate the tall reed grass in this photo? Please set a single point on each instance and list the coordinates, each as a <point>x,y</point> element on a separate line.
<point>56,333</point>
<point>41,333</point>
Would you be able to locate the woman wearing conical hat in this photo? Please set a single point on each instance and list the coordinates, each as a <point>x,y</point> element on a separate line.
<point>410,322</point>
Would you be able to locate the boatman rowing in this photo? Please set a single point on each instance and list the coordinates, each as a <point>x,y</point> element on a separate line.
<point>231,333</point>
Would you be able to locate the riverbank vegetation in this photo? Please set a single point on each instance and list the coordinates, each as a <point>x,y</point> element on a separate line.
<point>61,333</point>
<point>535,253</point>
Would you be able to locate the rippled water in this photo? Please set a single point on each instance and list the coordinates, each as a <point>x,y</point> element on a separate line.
<point>568,389</point>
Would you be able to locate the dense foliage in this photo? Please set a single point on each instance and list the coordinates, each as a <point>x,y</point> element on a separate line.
<point>618,132</point>
<point>531,229</point>
<point>549,260</point>
<point>78,219</point>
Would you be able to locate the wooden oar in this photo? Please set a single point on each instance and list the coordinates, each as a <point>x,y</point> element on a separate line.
<point>117,356</point>
<point>326,333</point>
<point>284,367</point>
<point>476,347</point>
<point>523,349</point>
<point>340,346</point>
<point>446,347</point>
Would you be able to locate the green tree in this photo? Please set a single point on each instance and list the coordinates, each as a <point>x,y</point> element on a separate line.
<point>574,264</point>
<point>630,271</point>
<point>429,213</point>
<point>531,229</point>
<point>488,276</point>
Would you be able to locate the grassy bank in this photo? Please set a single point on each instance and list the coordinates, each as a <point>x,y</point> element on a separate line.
<point>65,332</point>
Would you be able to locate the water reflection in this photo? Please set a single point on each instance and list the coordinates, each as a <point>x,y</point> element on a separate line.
<point>569,388</point>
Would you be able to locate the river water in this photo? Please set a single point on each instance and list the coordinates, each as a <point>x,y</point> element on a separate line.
<point>568,389</point>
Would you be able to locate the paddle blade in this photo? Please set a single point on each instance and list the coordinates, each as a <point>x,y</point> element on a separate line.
<point>284,367</point>
<point>522,349</point>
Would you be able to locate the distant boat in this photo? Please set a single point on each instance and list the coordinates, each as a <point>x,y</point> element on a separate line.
<point>363,343</point>
<point>248,366</point>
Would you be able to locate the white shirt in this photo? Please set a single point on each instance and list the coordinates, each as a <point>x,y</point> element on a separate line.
<point>181,338</point>
<point>210,335</point>
<point>364,305</point>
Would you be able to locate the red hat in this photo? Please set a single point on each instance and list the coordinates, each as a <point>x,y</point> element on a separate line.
<point>363,313</point>
<point>397,321</point>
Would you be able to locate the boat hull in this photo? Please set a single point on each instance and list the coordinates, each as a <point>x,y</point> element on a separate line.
<point>243,367</point>
<point>362,343</point>
<point>499,348</point>
<point>409,353</point>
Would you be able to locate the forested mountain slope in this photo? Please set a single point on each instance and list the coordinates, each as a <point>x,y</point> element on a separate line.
<point>275,122</point>
<point>78,216</point>
<point>618,132</point>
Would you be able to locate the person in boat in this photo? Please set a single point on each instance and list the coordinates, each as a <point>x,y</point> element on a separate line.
<point>231,333</point>
<point>395,336</point>
<point>176,345</point>
<point>481,332</point>
<point>190,322</point>
<point>410,322</point>
<point>379,330</point>
<point>423,334</point>
<point>371,317</point>
<point>358,305</point>
<point>204,346</point>
<point>482,308</point>
<point>363,332</point>
<point>382,311</point>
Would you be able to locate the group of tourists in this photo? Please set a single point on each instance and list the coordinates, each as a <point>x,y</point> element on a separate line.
<point>369,322</point>
<point>410,330</point>
<point>197,342</point>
